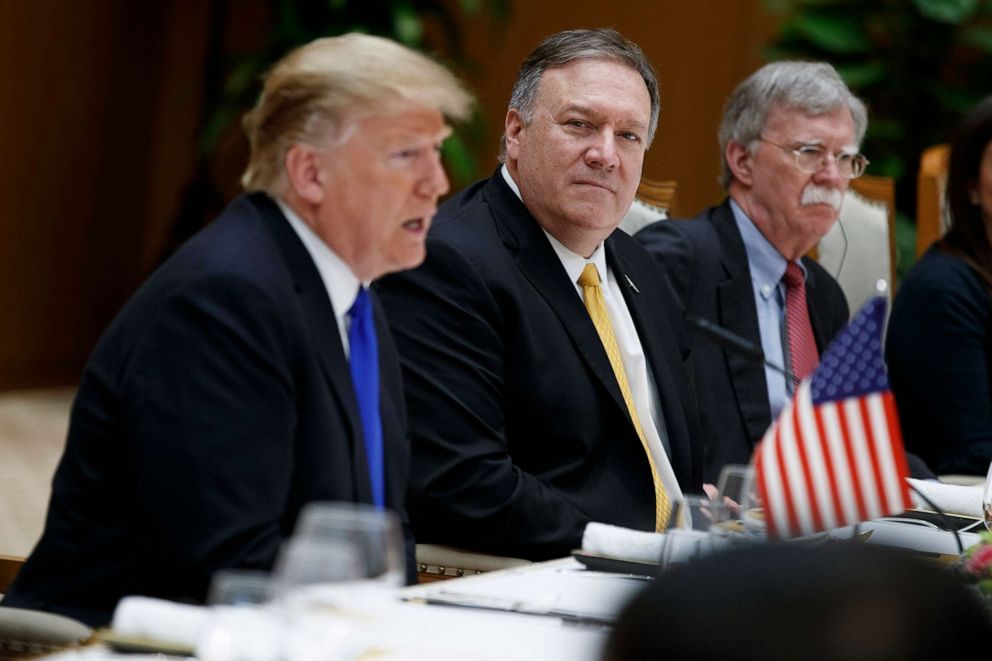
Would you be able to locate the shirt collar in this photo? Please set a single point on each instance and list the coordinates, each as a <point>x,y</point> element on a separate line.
<point>339,281</point>
<point>510,182</point>
<point>574,262</point>
<point>766,264</point>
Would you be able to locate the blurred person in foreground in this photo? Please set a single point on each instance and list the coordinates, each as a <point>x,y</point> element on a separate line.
<point>939,344</point>
<point>789,140</point>
<point>837,601</point>
<point>546,368</point>
<point>253,372</point>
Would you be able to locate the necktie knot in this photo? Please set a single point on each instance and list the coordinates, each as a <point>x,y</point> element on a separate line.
<point>360,309</point>
<point>794,275</point>
<point>590,276</point>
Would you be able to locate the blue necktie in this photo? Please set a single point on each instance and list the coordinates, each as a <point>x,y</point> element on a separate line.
<point>365,378</point>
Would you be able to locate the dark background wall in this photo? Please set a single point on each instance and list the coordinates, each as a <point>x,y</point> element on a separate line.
<point>101,102</point>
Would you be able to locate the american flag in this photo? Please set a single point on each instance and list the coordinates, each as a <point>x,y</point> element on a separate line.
<point>835,455</point>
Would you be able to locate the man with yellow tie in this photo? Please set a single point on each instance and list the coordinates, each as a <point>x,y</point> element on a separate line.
<point>547,374</point>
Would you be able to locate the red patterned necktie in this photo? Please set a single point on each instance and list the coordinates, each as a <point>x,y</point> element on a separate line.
<point>802,346</point>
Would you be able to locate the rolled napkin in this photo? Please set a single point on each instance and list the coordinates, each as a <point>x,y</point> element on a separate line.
<point>160,620</point>
<point>951,498</point>
<point>625,543</point>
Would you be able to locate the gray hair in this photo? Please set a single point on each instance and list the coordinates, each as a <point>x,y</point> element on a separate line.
<point>814,88</point>
<point>568,46</point>
<point>310,90</point>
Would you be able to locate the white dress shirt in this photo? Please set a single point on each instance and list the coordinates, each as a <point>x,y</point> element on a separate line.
<point>767,266</point>
<point>339,282</point>
<point>635,364</point>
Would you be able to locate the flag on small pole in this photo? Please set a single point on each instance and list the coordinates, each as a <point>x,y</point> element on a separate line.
<point>835,455</point>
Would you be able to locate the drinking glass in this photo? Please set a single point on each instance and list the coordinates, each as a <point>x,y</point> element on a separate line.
<point>738,512</point>
<point>240,627</point>
<point>313,583</point>
<point>240,587</point>
<point>691,539</point>
<point>373,533</point>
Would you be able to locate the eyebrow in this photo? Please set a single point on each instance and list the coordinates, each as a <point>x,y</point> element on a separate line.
<point>816,142</point>
<point>586,110</point>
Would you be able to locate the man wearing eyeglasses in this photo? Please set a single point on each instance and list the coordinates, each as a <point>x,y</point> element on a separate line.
<point>789,136</point>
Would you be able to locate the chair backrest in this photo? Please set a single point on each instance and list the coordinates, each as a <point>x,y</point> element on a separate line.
<point>9,567</point>
<point>653,202</point>
<point>867,253</point>
<point>931,216</point>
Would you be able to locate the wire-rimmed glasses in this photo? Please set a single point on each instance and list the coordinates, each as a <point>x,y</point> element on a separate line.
<point>813,158</point>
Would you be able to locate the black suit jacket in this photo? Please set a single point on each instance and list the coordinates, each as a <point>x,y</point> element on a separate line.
<point>706,264</point>
<point>519,433</point>
<point>216,405</point>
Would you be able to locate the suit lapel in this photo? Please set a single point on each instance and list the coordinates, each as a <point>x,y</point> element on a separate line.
<point>324,335</point>
<point>538,262</point>
<point>738,314</point>
<point>656,341</point>
<point>821,330</point>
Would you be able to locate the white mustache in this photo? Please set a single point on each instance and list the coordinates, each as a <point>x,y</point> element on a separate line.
<point>814,194</point>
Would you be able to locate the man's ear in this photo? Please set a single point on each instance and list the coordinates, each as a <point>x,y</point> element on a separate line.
<point>304,173</point>
<point>740,161</point>
<point>513,126</point>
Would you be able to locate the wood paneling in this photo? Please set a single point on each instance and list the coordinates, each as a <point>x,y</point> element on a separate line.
<point>102,98</point>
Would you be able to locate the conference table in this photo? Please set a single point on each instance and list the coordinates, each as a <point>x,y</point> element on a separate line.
<point>550,610</point>
<point>559,609</point>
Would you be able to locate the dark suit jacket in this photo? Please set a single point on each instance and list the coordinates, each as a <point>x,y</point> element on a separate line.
<point>939,352</point>
<point>519,433</point>
<point>706,264</point>
<point>215,406</point>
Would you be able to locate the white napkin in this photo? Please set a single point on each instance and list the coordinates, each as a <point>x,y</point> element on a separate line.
<point>951,498</point>
<point>157,619</point>
<point>617,542</point>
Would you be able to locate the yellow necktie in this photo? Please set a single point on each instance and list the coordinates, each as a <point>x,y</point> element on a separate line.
<point>592,294</point>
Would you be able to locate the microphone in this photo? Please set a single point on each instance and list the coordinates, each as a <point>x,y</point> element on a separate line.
<point>942,516</point>
<point>734,343</point>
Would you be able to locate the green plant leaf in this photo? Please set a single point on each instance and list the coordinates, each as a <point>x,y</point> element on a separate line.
<point>461,164</point>
<point>885,128</point>
<point>470,7</point>
<point>978,36</point>
<point>862,74</point>
<point>905,244</point>
<point>407,24</point>
<point>946,11</point>
<point>835,33</point>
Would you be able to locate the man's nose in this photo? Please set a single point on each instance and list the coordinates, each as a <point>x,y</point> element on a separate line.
<point>435,181</point>
<point>603,151</point>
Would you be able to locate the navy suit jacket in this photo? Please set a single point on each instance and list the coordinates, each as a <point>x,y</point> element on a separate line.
<point>939,351</point>
<point>519,432</point>
<point>215,406</point>
<point>706,264</point>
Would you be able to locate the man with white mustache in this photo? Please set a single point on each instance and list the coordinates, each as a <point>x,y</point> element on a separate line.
<point>789,137</point>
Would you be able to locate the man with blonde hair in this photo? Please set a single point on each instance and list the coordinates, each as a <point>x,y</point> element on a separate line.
<point>253,372</point>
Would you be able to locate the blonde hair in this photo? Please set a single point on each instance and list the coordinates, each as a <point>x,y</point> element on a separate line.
<point>307,93</point>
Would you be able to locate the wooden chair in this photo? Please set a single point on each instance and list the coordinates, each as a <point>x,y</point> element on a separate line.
<point>869,252</point>
<point>931,219</point>
<point>653,202</point>
<point>436,562</point>
<point>9,567</point>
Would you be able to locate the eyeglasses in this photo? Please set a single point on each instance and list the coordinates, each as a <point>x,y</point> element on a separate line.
<point>812,159</point>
